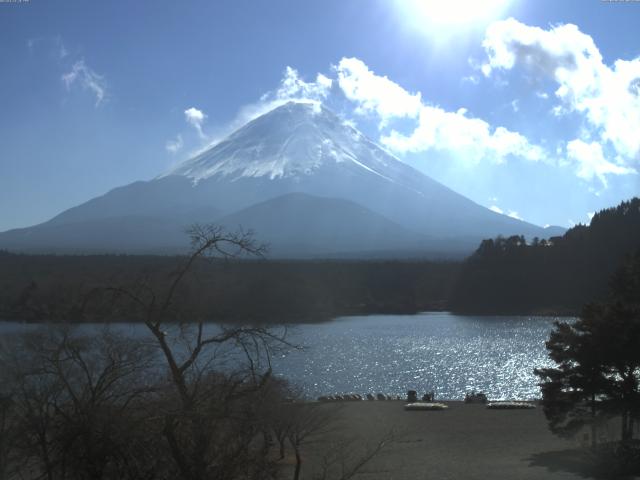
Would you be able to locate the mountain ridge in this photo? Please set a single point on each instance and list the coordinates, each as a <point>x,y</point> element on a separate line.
<point>295,148</point>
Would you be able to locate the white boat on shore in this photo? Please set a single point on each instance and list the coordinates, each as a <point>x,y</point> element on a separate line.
<point>510,405</point>
<point>419,406</point>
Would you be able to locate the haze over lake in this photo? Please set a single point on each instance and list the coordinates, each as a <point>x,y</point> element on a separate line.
<point>449,354</point>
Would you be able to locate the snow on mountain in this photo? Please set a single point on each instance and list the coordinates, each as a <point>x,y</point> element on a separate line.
<point>297,148</point>
<point>292,140</point>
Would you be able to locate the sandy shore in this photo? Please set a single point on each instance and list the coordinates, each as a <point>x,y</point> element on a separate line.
<point>464,442</point>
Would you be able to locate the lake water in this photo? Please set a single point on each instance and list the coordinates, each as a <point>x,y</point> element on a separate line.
<point>449,354</point>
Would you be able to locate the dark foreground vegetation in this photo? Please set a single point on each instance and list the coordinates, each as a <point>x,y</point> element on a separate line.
<point>189,401</point>
<point>555,276</point>
<point>594,389</point>
<point>109,407</point>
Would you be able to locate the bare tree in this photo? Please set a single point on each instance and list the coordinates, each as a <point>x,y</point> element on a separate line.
<point>74,399</point>
<point>209,424</point>
<point>314,430</point>
<point>190,400</point>
<point>306,420</point>
<point>6,433</point>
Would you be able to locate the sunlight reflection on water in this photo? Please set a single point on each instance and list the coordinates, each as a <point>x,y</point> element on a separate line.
<point>446,353</point>
<point>449,354</point>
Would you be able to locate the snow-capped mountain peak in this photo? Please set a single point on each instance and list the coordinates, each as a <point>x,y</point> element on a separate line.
<point>294,139</point>
<point>297,175</point>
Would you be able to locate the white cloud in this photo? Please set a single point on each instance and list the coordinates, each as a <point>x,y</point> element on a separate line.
<point>174,146</point>
<point>590,216</point>
<point>62,51</point>
<point>472,79</point>
<point>375,94</point>
<point>472,139</point>
<point>195,118</point>
<point>607,96</point>
<point>510,213</point>
<point>82,75</point>
<point>324,81</point>
<point>293,87</point>
<point>590,161</point>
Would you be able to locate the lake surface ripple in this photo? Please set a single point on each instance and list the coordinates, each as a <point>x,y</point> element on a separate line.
<point>441,352</point>
<point>449,354</point>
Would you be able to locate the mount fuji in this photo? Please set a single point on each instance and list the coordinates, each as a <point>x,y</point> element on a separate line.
<point>308,184</point>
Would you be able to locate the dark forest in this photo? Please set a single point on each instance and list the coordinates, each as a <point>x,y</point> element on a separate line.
<point>504,276</point>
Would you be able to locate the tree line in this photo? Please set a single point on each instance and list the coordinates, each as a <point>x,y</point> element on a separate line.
<point>46,287</point>
<point>504,276</point>
<point>554,276</point>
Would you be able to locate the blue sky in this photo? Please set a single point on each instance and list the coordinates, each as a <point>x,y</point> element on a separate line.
<point>529,108</point>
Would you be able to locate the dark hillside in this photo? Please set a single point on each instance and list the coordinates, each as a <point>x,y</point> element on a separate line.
<point>509,275</point>
<point>42,287</point>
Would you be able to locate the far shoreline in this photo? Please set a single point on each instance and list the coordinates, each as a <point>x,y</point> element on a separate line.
<point>321,318</point>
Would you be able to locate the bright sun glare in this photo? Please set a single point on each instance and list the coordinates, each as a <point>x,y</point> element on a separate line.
<point>450,14</point>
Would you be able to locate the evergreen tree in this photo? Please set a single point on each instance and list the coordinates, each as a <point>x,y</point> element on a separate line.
<point>598,363</point>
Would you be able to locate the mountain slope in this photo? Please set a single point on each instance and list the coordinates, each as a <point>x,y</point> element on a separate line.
<point>306,148</point>
<point>295,148</point>
<point>121,234</point>
<point>297,224</point>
